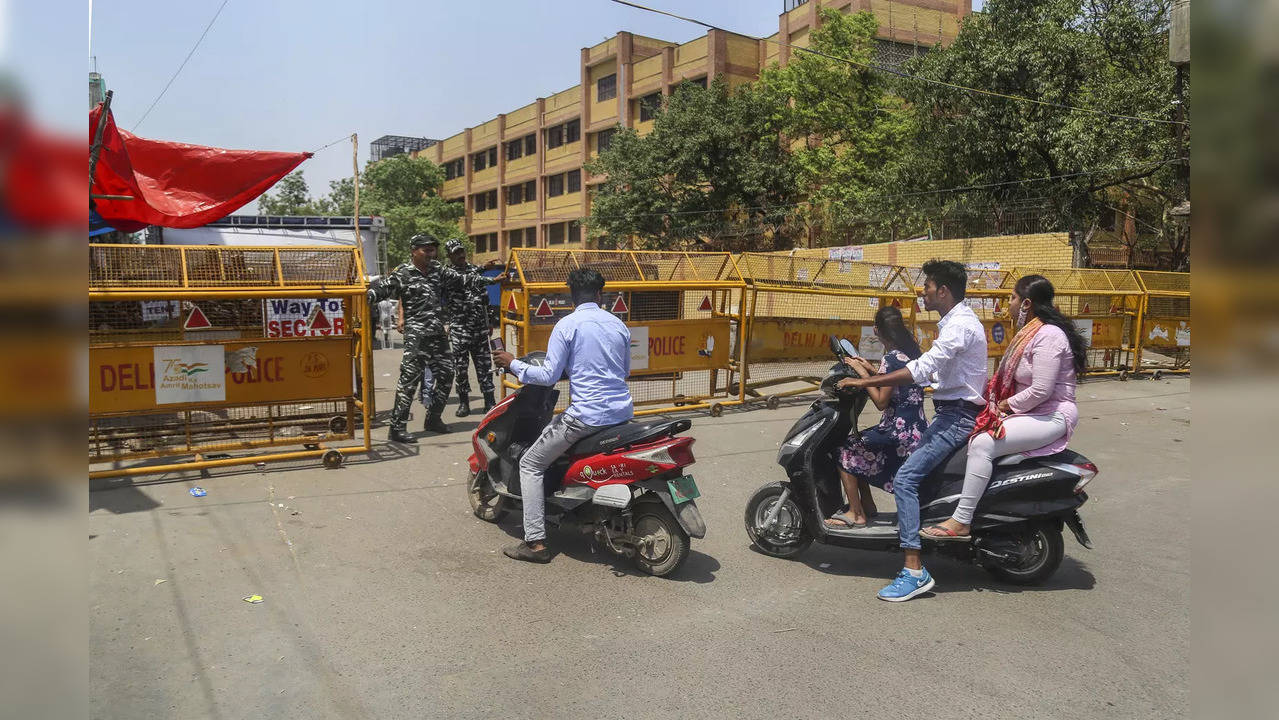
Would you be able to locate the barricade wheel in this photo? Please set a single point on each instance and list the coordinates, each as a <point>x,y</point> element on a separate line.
<point>337,424</point>
<point>1123,376</point>
<point>332,459</point>
<point>1158,375</point>
<point>773,402</point>
<point>310,446</point>
<point>717,410</point>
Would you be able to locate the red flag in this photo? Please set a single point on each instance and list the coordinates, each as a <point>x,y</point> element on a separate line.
<point>175,184</point>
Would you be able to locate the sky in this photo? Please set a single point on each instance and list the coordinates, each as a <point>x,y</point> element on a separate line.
<point>291,75</point>
<point>298,74</point>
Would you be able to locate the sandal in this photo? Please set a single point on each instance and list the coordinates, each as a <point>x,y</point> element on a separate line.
<point>848,522</point>
<point>943,534</point>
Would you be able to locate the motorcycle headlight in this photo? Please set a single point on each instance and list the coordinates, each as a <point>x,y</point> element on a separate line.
<point>802,436</point>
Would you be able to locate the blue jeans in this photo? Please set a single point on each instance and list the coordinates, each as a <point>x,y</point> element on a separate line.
<point>950,428</point>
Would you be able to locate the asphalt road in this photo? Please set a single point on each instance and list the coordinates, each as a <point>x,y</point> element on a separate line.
<point>384,597</point>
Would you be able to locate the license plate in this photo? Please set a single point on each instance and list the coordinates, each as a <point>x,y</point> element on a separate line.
<point>683,489</point>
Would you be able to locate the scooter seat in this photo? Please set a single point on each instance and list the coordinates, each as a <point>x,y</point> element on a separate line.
<point>628,433</point>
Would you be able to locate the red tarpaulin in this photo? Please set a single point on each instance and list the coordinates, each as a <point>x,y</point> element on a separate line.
<point>174,184</point>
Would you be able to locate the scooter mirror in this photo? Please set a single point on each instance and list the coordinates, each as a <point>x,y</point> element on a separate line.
<point>835,347</point>
<point>847,348</point>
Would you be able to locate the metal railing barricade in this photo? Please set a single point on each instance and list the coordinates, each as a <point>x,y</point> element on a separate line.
<point>1163,343</point>
<point>685,311</point>
<point>795,304</point>
<point>201,351</point>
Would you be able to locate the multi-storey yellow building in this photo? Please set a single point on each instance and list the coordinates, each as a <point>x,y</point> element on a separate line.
<point>520,174</point>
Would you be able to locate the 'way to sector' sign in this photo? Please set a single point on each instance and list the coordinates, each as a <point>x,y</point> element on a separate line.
<point>303,318</point>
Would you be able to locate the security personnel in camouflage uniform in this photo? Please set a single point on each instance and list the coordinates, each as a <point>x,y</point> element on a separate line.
<point>418,286</point>
<point>469,333</point>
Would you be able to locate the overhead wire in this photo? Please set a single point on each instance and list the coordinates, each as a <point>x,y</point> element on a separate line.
<point>184,64</point>
<point>904,74</point>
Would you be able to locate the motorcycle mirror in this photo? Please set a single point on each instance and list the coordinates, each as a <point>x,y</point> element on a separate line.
<point>835,347</point>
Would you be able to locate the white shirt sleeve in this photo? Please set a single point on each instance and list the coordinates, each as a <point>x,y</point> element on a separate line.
<point>949,342</point>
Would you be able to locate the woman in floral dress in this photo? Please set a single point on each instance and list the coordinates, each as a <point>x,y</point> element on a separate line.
<point>874,457</point>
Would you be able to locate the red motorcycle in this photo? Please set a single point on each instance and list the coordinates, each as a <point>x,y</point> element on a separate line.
<point>626,484</point>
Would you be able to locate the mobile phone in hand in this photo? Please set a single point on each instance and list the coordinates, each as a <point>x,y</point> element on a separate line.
<point>496,345</point>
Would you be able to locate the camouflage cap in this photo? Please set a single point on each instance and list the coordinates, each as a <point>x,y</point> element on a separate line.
<point>423,239</point>
<point>453,246</point>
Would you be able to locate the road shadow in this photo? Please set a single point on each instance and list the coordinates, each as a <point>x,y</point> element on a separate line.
<point>953,576</point>
<point>568,541</point>
<point>120,498</point>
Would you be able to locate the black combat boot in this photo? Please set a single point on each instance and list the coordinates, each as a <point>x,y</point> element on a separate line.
<point>434,423</point>
<point>463,405</point>
<point>401,436</point>
<point>489,402</point>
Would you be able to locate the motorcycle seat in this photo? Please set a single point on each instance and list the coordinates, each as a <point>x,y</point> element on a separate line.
<point>628,433</point>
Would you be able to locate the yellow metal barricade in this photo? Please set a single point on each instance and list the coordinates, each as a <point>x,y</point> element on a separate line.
<point>684,310</point>
<point>794,306</point>
<point>1164,331</point>
<point>202,351</point>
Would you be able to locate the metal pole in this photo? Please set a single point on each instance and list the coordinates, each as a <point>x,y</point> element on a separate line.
<point>366,314</point>
<point>96,149</point>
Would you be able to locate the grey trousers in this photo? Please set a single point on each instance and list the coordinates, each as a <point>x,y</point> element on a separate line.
<point>563,431</point>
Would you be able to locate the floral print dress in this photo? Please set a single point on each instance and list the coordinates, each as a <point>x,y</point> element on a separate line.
<point>882,449</point>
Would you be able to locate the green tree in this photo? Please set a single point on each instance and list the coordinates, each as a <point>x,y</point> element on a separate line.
<point>841,122</point>
<point>711,174</point>
<point>1108,55</point>
<point>290,196</point>
<point>405,191</point>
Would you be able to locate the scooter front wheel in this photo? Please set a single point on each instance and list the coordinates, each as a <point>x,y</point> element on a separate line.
<point>786,536</point>
<point>486,504</point>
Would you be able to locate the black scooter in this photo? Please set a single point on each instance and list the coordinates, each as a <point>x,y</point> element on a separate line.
<point>1017,527</point>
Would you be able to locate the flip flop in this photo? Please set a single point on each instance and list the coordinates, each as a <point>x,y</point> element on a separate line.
<point>849,523</point>
<point>942,534</point>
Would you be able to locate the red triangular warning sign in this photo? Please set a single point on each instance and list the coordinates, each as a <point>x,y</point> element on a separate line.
<point>897,303</point>
<point>706,304</point>
<point>544,309</point>
<point>320,322</point>
<point>619,305</point>
<point>197,320</point>
<point>510,303</point>
<point>1087,308</point>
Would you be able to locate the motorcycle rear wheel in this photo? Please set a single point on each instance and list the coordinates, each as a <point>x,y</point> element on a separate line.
<point>1043,549</point>
<point>789,537</point>
<point>666,544</point>
<point>486,504</point>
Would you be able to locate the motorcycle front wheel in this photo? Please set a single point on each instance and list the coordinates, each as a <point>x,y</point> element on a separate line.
<point>486,504</point>
<point>789,536</point>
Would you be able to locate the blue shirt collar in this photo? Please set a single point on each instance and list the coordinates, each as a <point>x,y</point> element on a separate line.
<point>587,306</point>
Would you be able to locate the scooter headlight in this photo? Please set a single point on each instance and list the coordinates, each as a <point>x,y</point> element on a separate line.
<point>801,437</point>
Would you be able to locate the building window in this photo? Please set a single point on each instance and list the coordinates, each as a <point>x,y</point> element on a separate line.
<point>514,150</point>
<point>485,159</point>
<point>606,88</point>
<point>454,169</point>
<point>554,136</point>
<point>478,202</point>
<point>530,144</point>
<point>555,234</point>
<point>485,201</point>
<point>699,82</point>
<point>574,181</point>
<point>493,156</point>
<point>575,232</point>
<point>603,139</point>
<point>649,105</point>
<point>515,195</point>
<point>515,238</point>
<point>481,243</point>
<point>530,191</point>
<point>554,186</point>
<point>572,131</point>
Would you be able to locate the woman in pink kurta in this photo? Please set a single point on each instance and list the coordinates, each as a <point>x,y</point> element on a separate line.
<point>1031,399</point>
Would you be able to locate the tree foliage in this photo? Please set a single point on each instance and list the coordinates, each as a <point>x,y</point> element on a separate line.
<point>1109,55</point>
<point>711,173</point>
<point>402,189</point>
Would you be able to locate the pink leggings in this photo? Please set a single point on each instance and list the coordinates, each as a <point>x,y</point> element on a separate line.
<point>1021,434</point>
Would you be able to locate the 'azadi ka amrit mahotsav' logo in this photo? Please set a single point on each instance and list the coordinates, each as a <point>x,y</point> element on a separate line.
<point>190,369</point>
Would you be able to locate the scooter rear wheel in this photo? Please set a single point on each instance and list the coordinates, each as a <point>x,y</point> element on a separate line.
<point>664,543</point>
<point>1041,551</point>
<point>486,504</point>
<point>789,536</point>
